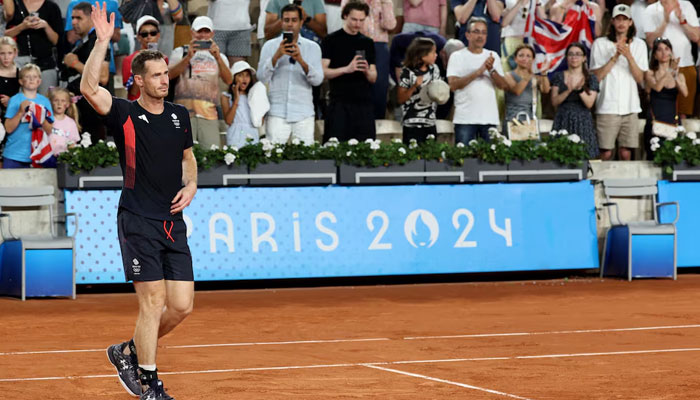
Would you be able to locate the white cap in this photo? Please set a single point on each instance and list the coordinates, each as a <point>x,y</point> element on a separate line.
<point>437,91</point>
<point>201,23</point>
<point>622,9</point>
<point>145,19</point>
<point>240,66</point>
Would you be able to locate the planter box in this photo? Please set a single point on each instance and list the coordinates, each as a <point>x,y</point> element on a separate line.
<point>480,171</point>
<point>546,171</point>
<point>294,173</point>
<point>409,173</point>
<point>220,175</point>
<point>685,172</point>
<point>451,172</point>
<point>98,178</point>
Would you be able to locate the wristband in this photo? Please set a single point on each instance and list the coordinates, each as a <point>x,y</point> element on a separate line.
<point>685,21</point>
<point>73,63</point>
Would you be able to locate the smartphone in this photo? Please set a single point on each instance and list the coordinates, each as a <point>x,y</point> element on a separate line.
<point>152,46</point>
<point>34,14</point>
<point>288,37</point>
<point>203,44</point>
<point>360,53</point>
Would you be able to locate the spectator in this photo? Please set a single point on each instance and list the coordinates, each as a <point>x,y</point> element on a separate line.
<point>664,83</point>
<point>74,63</point>
<point>488,10</point>
<point>171,11</point>
<point>148,36</point>
<point>232,26</point>
<point>378,23</point>
<point>619,61</point>
<point>521,92</point>
<point>473,74</point>
<point>513,29</point>
<point>419,71</point>
<point>19,135</point>
<point>291,69</point>
<point>36,26</point>
<point>65,130</point>
<point>333,20</point>
<point>425,15</point>
<point>198,67</point>
<point>349,65</point>
<point>573,93</point>
<point>638,7</point>
<point>239,106</point>
<point>561,8</point>
<point>9,80</point>
<point>313,18</point>
<point>677,21</point>
<point>112,7</point>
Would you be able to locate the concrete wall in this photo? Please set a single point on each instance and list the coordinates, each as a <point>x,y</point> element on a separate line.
<point>24,221</point>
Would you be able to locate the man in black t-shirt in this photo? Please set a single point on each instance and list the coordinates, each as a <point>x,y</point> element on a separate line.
<point>74,63</point>
<point>154,139</point>
<point>348,64</point>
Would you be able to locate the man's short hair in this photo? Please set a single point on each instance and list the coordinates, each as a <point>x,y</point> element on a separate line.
<point>84,6</point>
<point>358,5</point>
<point>138,64</point>
<point>291,8</point>
<point>476,20</point>
<point>27,68</point>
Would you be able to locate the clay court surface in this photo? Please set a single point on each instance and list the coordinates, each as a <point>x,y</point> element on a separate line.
<point>554,339</point>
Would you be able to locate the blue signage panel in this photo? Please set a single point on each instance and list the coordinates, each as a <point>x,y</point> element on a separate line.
<point>301,232</point>
<point>687,195</point>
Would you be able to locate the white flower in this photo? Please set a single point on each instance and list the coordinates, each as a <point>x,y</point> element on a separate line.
<point>691,135</point>
<point>225,148</point>
<point>249,137</point>
<point>402,150</point>
<point>507,142</point>
<point>493,147</point>
<point>214,147</point>
<point>443,155</point>
<point>696,142</point>
<point>85,143</point>
<point>677,149</point>
<point>268,154</point>
<point>100,141</point>
<point>473,142</point>
<point>333,140</point>
<point>396,140</point>
<point>655,147</point>
<point>296,141</point>
<point>348,154</point>
<point>493,133</point>
<point>374,146</point>
<point>575,138</point>
<point>111,145</point>
<point>195,142</point>
<point>279,151</point>
<point>563,132</point>
<point>553,133</point>
<point>85,135</point>
<point>353,142</point>
<point>655,140</point>
<point>680,129</point>
<point>431,137</point>
<point>460,145</point>
<point>233,148</point>
<point>369,141</point>
<point>412,144</point>
<point>229,158</point>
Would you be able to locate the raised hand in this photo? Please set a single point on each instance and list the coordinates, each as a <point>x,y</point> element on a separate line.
<point>104,28</point>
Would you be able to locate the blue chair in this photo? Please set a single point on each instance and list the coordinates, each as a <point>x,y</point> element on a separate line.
<point>638,249</point>
<point>36,264</point>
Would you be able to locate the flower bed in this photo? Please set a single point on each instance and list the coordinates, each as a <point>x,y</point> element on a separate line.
<point>680,155</point>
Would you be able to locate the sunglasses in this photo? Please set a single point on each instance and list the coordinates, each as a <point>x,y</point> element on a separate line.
<point>149,33</point>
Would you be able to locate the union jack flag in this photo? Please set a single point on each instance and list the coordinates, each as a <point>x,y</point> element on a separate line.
<point>551,39</point>
<point>35,115</point>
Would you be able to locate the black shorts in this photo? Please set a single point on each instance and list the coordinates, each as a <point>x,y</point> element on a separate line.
<point>153,250</point>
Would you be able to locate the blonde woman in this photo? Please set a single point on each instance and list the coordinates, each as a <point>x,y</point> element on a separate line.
<point>9,81</point>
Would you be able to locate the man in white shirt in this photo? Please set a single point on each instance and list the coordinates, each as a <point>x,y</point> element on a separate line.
<point>619,61</point>
<point>473,74</point>
<point>290,68</point>
<point>676,20</point>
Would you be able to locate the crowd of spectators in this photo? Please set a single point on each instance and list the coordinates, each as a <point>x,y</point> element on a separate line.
<point>351,62</point>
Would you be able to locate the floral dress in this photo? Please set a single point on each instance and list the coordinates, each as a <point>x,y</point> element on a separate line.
<point>573,115</point>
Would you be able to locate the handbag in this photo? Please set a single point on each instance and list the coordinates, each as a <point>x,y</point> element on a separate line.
<point>527,129</point>
<point>664,129</point>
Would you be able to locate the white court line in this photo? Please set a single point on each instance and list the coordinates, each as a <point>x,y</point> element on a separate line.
<point>481,335</point>
<point>477,335</point>
<point>430,378</point>
<point>364,364</point>
<point>189,346</point>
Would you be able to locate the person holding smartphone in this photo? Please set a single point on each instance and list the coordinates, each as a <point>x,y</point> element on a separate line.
<point>290,65</point>
<point>198,67</point>
<point>348,59</point>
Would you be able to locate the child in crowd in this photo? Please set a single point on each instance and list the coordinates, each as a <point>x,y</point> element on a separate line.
<point>65,127</point>
<point>9,83</point>
<point>19,132</point>
<point>418,71</point>
<point>238,108</point>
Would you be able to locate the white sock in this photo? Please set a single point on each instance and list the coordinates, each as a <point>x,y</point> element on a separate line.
<point>147,367</point>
